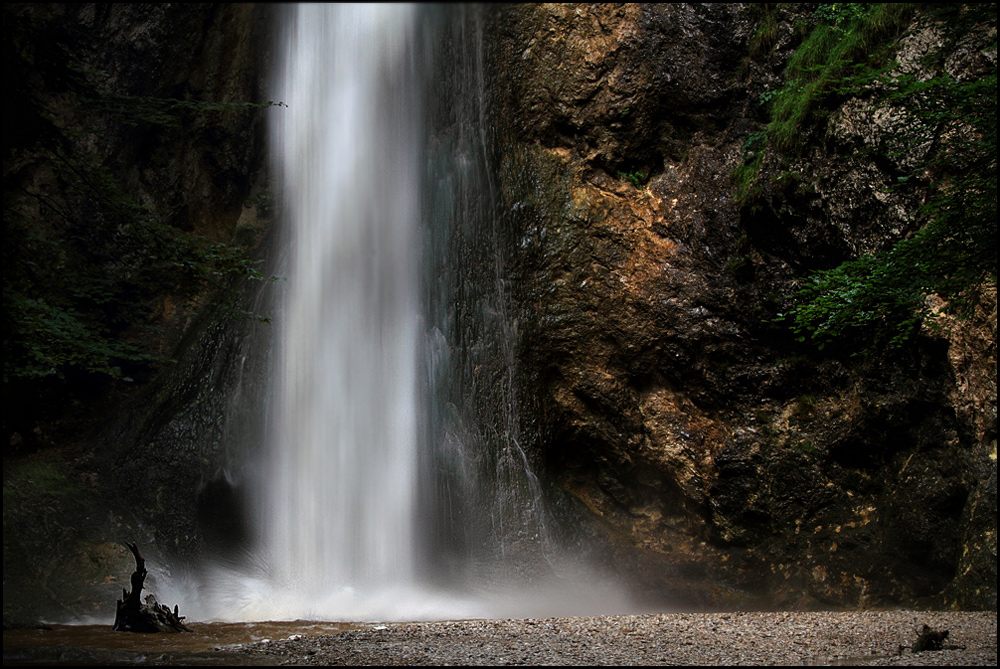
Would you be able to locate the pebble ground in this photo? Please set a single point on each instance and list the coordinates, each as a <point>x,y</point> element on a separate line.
<point>827,638</point>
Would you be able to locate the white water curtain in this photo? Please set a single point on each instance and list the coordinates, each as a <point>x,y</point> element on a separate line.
<point>344,442</point>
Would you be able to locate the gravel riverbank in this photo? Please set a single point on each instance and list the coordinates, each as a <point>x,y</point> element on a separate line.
<point>872,637</point>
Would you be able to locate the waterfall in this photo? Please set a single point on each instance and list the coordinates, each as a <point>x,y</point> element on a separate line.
<point>490,524</point>
<point>397,483</point>
<point>341,486</point>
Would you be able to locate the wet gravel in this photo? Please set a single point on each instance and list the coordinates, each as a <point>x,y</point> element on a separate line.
<point>871,637</point>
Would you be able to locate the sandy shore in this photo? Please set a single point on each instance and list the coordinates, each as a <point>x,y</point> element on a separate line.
<point>873,637</point>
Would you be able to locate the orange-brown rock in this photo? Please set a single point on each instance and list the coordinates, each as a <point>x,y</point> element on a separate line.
<point>713,452</point>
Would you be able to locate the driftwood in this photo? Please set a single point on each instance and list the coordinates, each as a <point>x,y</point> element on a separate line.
<point>135,615</point>
<point>929,639</point>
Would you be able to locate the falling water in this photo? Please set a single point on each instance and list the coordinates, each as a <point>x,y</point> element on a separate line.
<point>398,484</point>
<point>342,483</point>
<point>489,523</point>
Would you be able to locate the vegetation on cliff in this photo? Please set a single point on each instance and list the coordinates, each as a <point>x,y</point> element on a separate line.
<point>134,208</point>
<point>83,258</point>
<point>943,131</point>
<point>717,463</point>
<point>669,402</point>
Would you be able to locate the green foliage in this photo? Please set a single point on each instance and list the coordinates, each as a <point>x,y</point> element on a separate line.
<point>745,175</point>
<point>805,447</point>
<point>636,178</point>
<point>30,480</point>
<point>68,297</point>
<point>947,133</point>
<point>840,15</point>
<point>843,36</point>
<point>766,33</point>
<point>46,338</point>
<point>83,260</point>
<point>880,300</point>
<point>767,96</point>
<point>806,405</point>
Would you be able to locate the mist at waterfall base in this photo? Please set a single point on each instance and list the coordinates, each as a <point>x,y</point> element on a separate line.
<point>395,484</point>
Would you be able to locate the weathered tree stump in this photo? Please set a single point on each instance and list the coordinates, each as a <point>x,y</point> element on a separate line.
<point>134,615</point>
<point>929,639</point>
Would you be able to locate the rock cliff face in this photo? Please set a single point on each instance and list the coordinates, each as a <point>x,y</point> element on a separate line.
<point>92,464</point>
<point>720,462</point>
<point>716,454</point>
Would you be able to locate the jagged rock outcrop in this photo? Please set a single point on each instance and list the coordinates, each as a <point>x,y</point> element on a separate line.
<point>716,454</point>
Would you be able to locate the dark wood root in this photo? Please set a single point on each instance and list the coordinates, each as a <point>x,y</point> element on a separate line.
<point>134,615</point>
<point>929,639</point>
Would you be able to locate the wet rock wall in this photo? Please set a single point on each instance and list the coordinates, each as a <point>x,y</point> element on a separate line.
<point>722,461</point>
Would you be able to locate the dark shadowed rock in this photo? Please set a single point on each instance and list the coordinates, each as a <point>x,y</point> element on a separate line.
<point>691,428</point>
